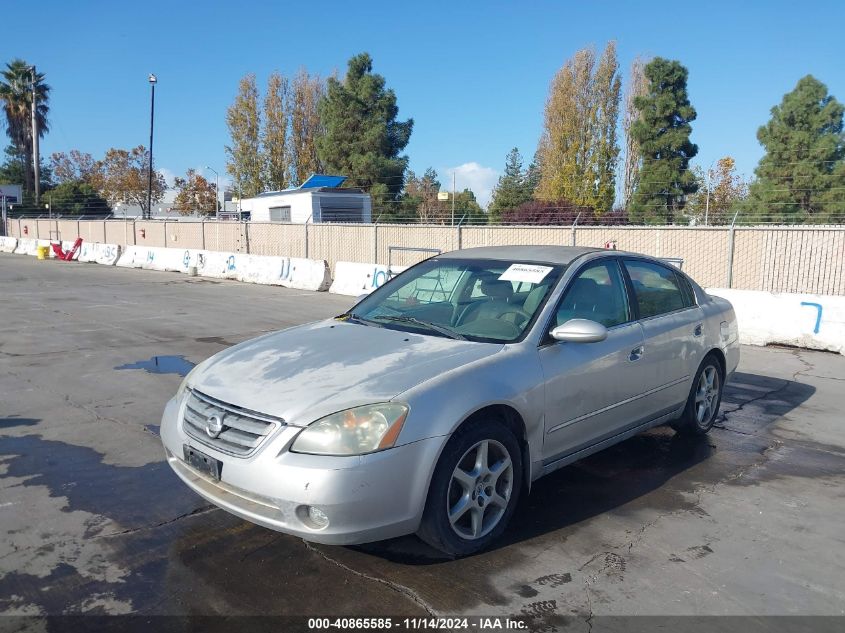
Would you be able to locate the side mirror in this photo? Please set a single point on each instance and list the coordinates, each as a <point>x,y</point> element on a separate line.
<point>579,331</point>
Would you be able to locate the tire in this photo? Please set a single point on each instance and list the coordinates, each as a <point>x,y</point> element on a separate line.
<point>704,399</point>
<point>488,491</point>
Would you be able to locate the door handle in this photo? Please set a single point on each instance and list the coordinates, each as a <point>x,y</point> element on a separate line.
<point>636,353</point>
<point>697,331</point>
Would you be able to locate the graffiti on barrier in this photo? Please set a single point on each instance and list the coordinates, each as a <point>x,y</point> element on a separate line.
<point>818,308</point>
<point>230,263</point>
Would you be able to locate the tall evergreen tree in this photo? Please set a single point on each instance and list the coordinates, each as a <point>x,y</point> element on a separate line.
<point>662,132</point>
<point>512,188</point>
<point>801,178</point>
<point>244,154</point>
<point>363,139</point>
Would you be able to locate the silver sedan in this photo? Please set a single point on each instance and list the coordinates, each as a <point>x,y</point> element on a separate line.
<point>434,403</point>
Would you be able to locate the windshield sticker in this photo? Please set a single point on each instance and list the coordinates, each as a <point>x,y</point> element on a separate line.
<point>528,273</point>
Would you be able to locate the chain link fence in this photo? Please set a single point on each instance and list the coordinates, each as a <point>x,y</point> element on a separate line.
<point>779,259</point>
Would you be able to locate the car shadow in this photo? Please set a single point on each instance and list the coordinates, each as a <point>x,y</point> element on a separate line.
<point>655,469</point>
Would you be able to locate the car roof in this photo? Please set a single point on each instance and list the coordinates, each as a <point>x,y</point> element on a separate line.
<point>546,254</point>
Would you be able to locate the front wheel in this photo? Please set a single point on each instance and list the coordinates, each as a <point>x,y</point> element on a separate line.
<point>704,399</point>
<point>474,490</point>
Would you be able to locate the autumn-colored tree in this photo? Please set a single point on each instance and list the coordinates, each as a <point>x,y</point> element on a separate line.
<point>122,175</point>
<point>720,190</point>
<point>244,154</point>
<point>306,91</point>
<point>275,134</point>
<point>195,194</point>
<point>73,166</point>
<point>632,157</point>
<point>578,149</point>
<point>421,195</point>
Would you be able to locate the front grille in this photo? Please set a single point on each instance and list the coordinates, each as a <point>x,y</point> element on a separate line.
<point>243,430</point>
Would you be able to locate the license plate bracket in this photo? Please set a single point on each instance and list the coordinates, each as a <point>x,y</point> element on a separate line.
<point>205,464</point>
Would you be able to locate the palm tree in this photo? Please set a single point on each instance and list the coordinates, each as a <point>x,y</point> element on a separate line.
<point>16,95</point>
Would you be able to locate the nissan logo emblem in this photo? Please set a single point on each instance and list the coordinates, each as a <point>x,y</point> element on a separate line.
<point>213,426</point>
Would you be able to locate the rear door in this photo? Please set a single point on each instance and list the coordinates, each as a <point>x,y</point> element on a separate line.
<point>672,330</point>
<point>592,389</point>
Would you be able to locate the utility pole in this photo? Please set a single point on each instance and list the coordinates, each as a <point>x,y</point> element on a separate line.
<point>453,197</point>
<point>36,159</point>
<point>152,80</point>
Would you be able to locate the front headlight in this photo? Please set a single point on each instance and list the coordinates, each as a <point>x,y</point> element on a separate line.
<point>366,429</point>
<point>180,392</point>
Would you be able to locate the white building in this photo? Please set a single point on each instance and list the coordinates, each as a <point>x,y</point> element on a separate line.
<point>318,199</point>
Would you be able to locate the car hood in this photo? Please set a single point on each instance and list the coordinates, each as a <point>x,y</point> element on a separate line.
<point>306,372</point>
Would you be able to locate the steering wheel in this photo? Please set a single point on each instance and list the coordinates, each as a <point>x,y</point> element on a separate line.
<point>522,316</point>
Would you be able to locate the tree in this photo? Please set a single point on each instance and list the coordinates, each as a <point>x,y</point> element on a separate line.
<point>244,119</point>
<point>632,158</point>
<point>421,196</point>
<point>467,209</point>
<point>74,166</point>
<point>662,132</point>
<point>561,213</point>
<point>275,134</point>
<point>578,150</point>
<point>513,187</point>
<point>720,191</point>
<point>305,125</point>
<point>363,139</point>
<point>801,178</point>
<point>76,197</point>
<point>16,95</point>
<point>122,176</point>
<point>195,194</point>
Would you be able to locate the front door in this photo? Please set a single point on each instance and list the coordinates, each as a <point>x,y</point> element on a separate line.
<point>593,390</point>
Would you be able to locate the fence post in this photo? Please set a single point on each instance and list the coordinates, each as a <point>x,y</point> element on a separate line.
<point>460,236</point>
<point>105,237</point>
<point>730,256</point>
<point>246,236</point>
<point>37,229</point>
<point>306,239</point>
<point>375,243</point>
<point>134,234</point>
<point>202,229</point>
<point>165,234</point>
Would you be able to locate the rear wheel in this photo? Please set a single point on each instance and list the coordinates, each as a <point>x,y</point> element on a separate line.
<point>474,489</point>
<point>704,399</point>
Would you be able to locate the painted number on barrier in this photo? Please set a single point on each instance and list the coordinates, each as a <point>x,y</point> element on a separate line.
<point>230,263</point>
<point>818,308</point>
<point>186,259</point>
<point>380,277</point>
<point>150,256</point>
<point>285,271</point>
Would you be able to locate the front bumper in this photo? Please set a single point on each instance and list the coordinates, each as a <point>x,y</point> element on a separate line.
<point>366,498</point>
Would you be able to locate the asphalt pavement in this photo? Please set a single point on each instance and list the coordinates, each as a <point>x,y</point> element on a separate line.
<point>746,521</point>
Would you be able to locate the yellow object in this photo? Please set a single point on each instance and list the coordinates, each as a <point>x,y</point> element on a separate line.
<point>43,252</point>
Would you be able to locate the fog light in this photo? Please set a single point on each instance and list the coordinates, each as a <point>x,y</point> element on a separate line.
<point>313,517</point>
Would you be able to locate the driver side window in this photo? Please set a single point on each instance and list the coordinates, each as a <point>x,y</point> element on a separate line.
<point>597,294</point>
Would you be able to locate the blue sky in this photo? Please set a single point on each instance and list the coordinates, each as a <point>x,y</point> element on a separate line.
<point>473,75</point>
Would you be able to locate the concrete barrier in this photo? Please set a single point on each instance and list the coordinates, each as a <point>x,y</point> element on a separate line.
<point>803,320</point>
<point>26,246</point>
<point>99,253</point>
<point>355,279</point>
<point>8,244</point>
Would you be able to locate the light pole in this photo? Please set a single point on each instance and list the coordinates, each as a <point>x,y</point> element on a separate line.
<point>152,80</point>
<point>216,192</point>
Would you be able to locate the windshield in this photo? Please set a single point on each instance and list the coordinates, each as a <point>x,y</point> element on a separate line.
<point>472,299</point>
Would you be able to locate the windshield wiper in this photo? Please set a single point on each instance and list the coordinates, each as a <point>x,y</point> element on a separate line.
<point>426,324</point>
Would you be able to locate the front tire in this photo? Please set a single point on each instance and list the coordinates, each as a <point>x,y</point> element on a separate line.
<point>474,490</point>
<point>704,399</point>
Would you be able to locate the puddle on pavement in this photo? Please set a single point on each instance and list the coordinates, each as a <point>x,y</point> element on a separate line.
<point>162,365</point>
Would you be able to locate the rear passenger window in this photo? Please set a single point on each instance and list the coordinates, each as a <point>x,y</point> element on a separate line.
<point>656,288</point>
<point>597,294</point>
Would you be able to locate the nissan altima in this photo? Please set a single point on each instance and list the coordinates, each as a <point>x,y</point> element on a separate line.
<point>433,404</point>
